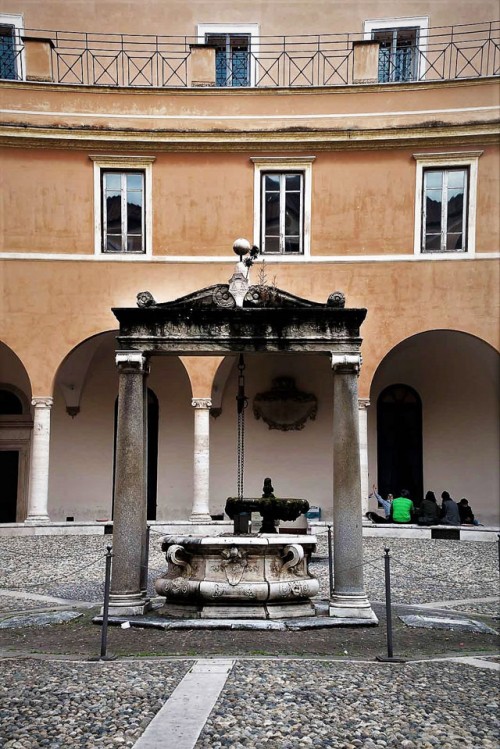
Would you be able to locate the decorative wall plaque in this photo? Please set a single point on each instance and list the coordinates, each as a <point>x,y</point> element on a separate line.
<point>284,407</point>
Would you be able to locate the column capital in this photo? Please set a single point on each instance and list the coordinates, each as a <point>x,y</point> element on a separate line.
<point>205,403</point>
<point>348,363</point>
<point>363,403</point>
<point>131,361</point>
<point>42,401</point>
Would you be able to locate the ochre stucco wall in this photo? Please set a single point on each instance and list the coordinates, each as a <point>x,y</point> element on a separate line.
<point>179,17</point>
<point>50,307</point>
<point>362,202</point>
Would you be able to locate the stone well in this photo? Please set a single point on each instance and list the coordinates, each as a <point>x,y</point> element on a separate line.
<point>238,577</point>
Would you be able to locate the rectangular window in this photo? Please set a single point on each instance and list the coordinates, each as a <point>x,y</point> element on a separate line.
<point>282,205</point>
<point>403,47</point>
<point>232,58</point>
<point>282,213</point>
<point>123,208</point>
<point>11,46</point>
<point>7,52</point>
<point>445,203</point>
<point>444,210</point>
<point>236,51</point>
<point>398,54</point>
<point>123,211</point>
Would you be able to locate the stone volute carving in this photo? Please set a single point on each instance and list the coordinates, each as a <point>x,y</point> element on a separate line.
<point>293,554</point>
<point>284,407</point>
<point>176,554</point>
<point>336,299</point>
<point>145,299</point>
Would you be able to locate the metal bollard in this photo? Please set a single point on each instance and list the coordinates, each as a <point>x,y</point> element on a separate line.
<point>104,631</point>
<point>388,610</point>
<point>330,558</point>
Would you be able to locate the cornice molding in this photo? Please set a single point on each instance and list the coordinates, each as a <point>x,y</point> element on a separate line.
<point>351,89</point>
<point>146,141</point>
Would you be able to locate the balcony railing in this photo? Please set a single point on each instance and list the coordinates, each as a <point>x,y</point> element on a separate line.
<point>444,53</point>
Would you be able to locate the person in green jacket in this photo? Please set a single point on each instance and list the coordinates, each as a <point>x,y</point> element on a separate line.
<point>402,510</point>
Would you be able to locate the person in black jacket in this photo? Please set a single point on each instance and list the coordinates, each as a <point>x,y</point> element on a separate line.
<point>429,513</point>
<point>466,514</point>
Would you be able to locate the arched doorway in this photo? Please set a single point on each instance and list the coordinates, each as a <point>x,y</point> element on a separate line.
<point>10,405</point>
<point>456,376</point>
<point>399,441</point>
<point>152,453</point>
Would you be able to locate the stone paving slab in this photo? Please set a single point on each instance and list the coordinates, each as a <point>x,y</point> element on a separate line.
<point>42,619</point>
<point>181,720</point>
<point>158,622</point>
<point>440,622</point>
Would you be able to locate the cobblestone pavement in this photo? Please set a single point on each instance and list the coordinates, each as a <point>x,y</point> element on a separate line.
<point>86,705</point>
<point>274,703</point>
<point>299,704</point>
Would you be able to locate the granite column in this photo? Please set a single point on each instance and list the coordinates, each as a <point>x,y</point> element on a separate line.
<point>349,599</point>
<point>128,582</point>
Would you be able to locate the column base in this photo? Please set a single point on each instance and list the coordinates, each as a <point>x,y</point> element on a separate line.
<point>132,604</point>
<point>200,517</point>
<point>37,520</point>
<point>351,606</point>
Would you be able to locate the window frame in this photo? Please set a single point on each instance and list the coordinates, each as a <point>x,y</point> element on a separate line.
<point>124,227</point>
<point>280,165</point>
<point>122,164</point>
<point>447,162</point>
<point>419,22</point>
<point>232,29</point>
<point>16,20</point>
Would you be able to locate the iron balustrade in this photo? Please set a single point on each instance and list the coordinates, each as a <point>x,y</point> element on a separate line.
<point>441,53</point>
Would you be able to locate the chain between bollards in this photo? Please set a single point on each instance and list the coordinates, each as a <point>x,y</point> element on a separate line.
<point>330,558</point>
<point>104,631</point>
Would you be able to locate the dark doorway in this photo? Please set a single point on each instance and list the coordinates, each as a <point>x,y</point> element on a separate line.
<point>10,405</point>
<point>9,472</point>
<point>399,442</point>
<point>152,453</point>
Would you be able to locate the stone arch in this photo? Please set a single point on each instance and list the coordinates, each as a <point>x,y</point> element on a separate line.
<point>219,383</point>
<point>456,376</point>
<point>82,433</point>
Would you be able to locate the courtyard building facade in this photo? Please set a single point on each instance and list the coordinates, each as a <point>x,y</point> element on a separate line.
<point>355,144</point>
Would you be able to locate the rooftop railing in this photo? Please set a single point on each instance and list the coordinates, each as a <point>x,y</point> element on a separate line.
<point>240,60</point>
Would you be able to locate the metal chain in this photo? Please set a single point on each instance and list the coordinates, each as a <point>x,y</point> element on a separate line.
<point>242,403</point>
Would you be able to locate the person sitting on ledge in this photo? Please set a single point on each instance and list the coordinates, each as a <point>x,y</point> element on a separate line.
<point>449,510</point>
<point>402,510</point>
<point>466,514</point>
<point>429,510</point>
<point>385,504</point>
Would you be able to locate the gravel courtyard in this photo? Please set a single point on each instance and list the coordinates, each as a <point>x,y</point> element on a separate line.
<point>316,688</point>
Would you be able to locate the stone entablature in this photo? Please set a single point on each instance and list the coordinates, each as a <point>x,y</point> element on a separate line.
<point>269,320</point>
